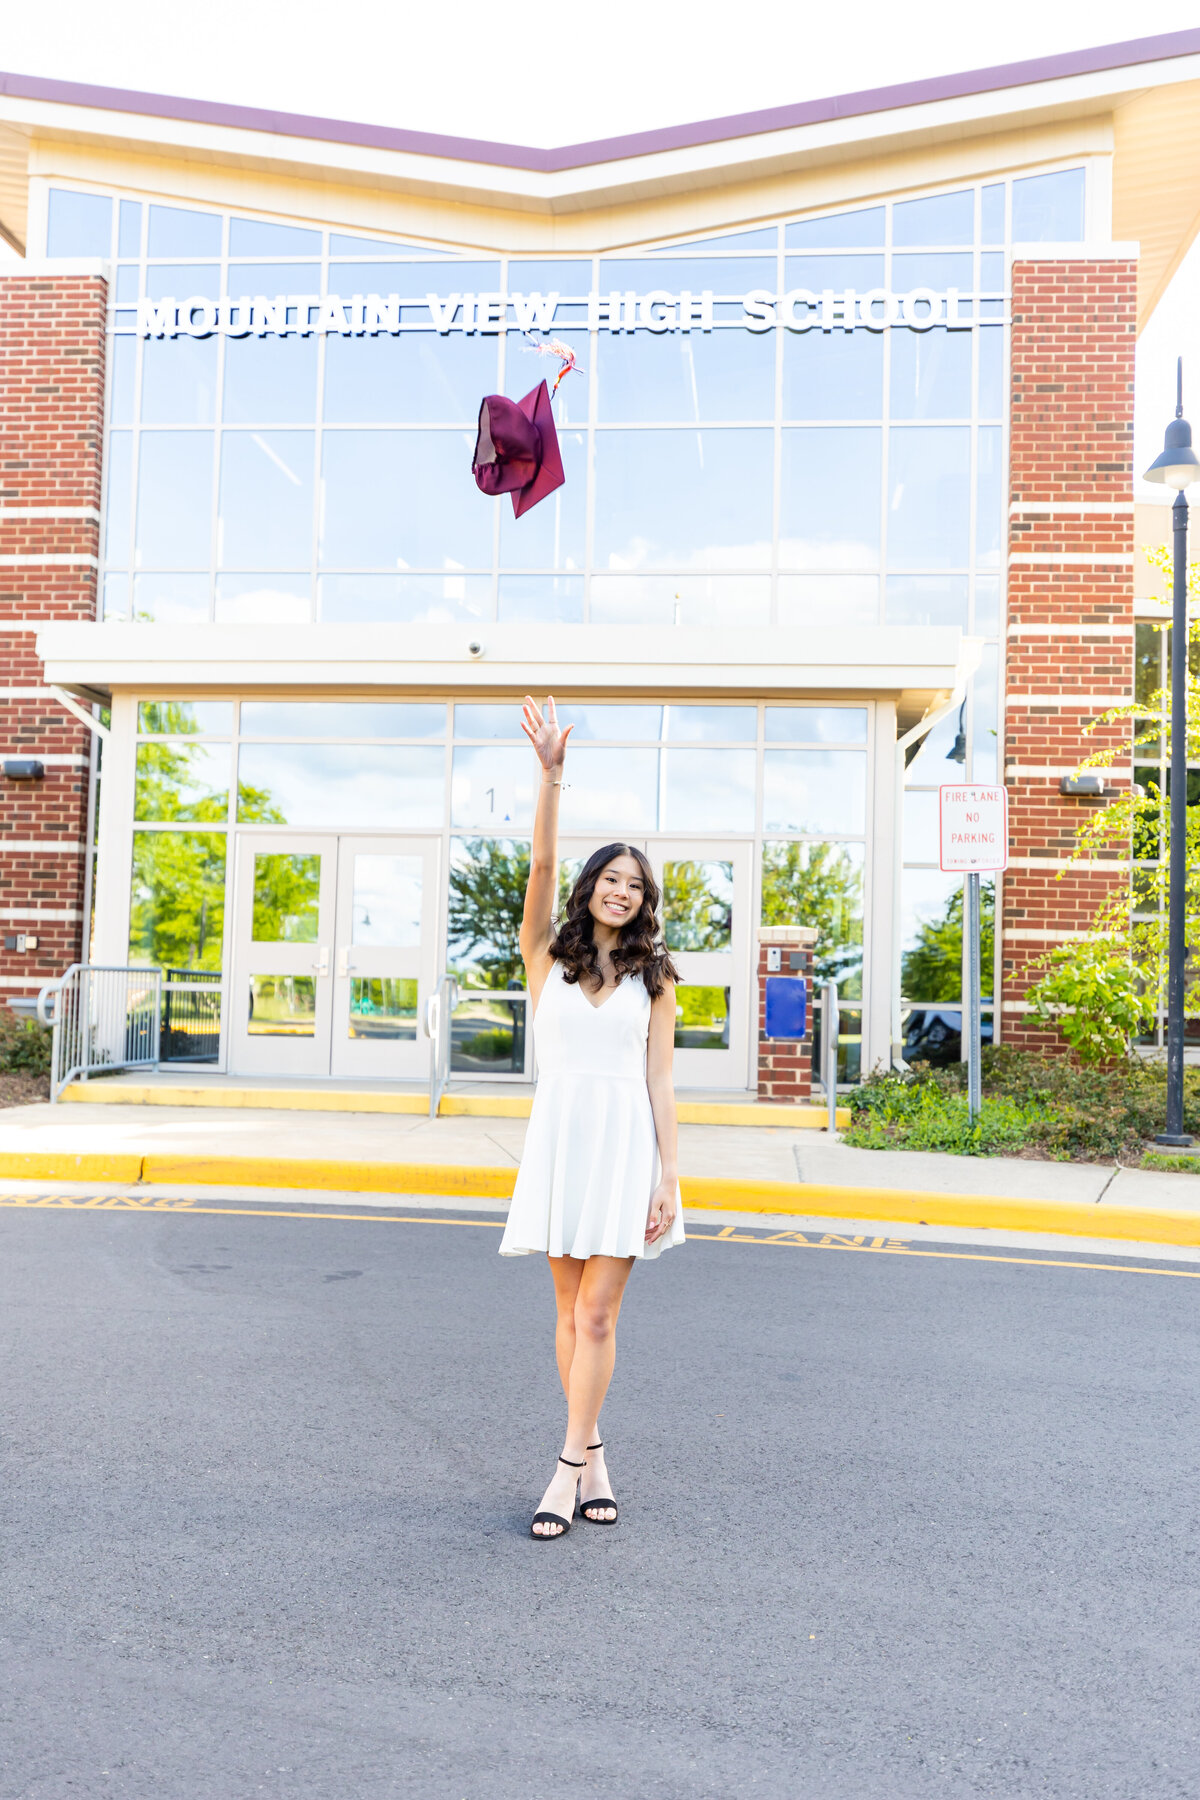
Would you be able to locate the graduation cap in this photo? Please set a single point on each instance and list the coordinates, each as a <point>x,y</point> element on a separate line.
<point>517,451</point>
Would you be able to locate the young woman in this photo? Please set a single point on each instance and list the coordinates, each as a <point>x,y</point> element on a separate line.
<point>598,1185</point>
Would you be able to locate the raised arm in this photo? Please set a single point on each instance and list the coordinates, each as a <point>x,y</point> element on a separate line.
<point>550,745</point>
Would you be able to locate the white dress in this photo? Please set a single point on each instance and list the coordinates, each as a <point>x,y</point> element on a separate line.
<point>591,1155</point>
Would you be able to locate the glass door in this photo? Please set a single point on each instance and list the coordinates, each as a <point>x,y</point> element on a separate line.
<point>281,1011</point>
<point>385,957</point>
<point>706,921</point>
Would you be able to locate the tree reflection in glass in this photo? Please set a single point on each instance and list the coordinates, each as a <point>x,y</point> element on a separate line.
<point>177,910</point>
<point>698,905</point>
<point>287,893</point>
<point>819,885</point>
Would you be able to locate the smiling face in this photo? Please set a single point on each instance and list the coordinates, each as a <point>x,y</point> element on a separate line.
<point>619,892</point>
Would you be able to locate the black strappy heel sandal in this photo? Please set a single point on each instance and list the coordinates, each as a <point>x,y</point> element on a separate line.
<point>549,1518</point>
<point>598,1500</point>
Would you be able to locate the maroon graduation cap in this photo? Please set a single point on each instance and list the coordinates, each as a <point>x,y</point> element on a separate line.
<point>517,451</point>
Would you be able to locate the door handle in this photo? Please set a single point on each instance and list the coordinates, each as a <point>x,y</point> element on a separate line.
<point>322,963</point>
<point>344,965</point>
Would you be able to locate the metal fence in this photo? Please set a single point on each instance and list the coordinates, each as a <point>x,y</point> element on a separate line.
<point>439,1029</point>
<point>103,1019</point>
<point>191,1016</point>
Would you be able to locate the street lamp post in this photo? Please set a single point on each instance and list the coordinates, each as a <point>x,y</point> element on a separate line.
<point>1177,467</point>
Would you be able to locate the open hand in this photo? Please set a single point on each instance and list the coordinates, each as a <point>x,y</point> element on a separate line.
<point>549,743</point>
<point>664,1203</point>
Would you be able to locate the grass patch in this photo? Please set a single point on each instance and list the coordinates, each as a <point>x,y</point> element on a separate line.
<point>1032,1105</point>
<point>1170,1165</point>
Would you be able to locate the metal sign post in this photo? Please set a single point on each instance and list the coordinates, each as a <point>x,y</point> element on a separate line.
<point>973,841</point>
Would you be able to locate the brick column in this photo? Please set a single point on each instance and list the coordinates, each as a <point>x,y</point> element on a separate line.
<point>1070,595</point>
<point>785,1064</point>
<point>51,440</point>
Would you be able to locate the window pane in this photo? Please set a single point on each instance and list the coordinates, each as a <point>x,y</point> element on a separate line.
<point>420,377</point>
<point>927,600</point>
<point>685,375</point>
<point>828,600</point>
<point>405,599</point>
<point>838,230</point>
<point>182,781</point>
<point>698,905</point>
<point>562,277</point>
<point>985,740</point>
<point>487,1035</point>
<point>931,935</point>
<point>177,908</point>
<point>129,282</point>
<point>991,373</point>
<point>524,368</point>
<point>383,1007</point>
<point>610,722</point>
<point>694,274</point>
<point>488,877</point>
<point>989,498</point>
<point>993,213</point>
<point>79,224</point>
<point>118,475</point>
<point>819,885</point>
<point>554,534</point>
<point>348,786</point>
<point>287,898</point>
<point>816,724</point>
<point>129,229</point>
<point>266,517</point>
<point>740,600</point>
<point>762,239</point>
<point>987,603</point>
<point>282,1006</point>
<point>1048,208</point>
<point>179,381</point>
<point>929,497</point>
<point>177,232</point>
<point>933,270</point>
<point>503,721</point>
<point>815,790</point>
<point>257,237</point>
<point>342,719</point>
<point>116,597</point>
<point>833,374</point>
<point>696,498</point>
<point>341,245</point>
<point>387,901</point>
<point>183,281</point>
<point>837,272</point>
<point>174,510</point>
<point>493,789</point>
<point>541,599</point>
<point>403,500</point>
<point>611,791</point>
<point>270,381</point>
<point>940,219</point>
<point>123,363</point>
<point>708,790</point>
<point>263,600</point>
<point>934,754</point>
<point>710,724</point>
<point>166,599</point>
<point>185,718</point>
<point>920,833</point>
<point>991,272</point>
<point>269,279</point>
<point>701,1017</point>
<point>827,516</point>
<point>931,374</point>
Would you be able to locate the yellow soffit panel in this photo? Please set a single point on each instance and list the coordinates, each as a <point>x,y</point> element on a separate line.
<point>345,200</point>
<point>1156,183</point>
<point>14,185</point>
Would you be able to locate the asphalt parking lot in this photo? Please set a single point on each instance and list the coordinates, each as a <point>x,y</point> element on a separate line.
<point>894,1522</point>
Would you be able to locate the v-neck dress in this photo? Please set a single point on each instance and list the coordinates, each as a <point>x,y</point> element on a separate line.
<point>591,1160</point>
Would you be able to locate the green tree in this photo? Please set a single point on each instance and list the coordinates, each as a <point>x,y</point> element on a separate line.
<point>488,878</point>
<point>819,885</point>
<point>933,968</point>
<point>697,905</point>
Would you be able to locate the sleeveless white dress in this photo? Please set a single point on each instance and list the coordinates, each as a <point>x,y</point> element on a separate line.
<point>591,1155</point>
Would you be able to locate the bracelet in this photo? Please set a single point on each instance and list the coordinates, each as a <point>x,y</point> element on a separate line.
<point>546,783</point>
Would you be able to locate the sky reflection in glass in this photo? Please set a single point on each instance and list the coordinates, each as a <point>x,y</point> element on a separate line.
<point>694,375</point>
<point>826,517</point>
<point>174,505</point>
<point>833,375</point>
<point>815,791</point>
<point>552,534</point>
<point>693,498</point>
<point>929,497</point>
<point>417,378</point>
<point>347,787</point>
<point>266,499</point>
<point>931,374</point>
<point>179,380</point>
<point>270,380</point>
<point>403,499</point>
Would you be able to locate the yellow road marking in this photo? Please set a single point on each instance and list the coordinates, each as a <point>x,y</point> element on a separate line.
<point>797,1240</point>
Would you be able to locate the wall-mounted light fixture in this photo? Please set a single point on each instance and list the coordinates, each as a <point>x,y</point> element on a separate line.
<point>1091,785</point>
<point>23,768</point>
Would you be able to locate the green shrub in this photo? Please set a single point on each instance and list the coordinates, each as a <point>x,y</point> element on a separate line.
<point>1048,1106</point>
<point>24,1046</point>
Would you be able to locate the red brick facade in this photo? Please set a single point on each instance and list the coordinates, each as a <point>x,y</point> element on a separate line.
<point>51,440</point>
<point>1069,652</point>
<point>785,1071</point>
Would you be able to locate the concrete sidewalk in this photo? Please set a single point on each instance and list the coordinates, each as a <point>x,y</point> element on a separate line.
<point>725,1168</point>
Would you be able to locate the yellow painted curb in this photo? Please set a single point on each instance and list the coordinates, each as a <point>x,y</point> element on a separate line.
<point>461,1106</point>
<point>66,1165</point>
<point>700,1192</point>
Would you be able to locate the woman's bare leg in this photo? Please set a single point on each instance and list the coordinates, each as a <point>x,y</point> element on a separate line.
<point>567,1271</point>
<point>599,1292</point>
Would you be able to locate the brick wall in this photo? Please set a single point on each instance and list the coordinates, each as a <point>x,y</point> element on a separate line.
<point>51,437</point>
<point>1069,652</point>
<point>785,1071</point>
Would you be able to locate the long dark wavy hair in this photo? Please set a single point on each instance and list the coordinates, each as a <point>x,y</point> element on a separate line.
<point>640,948</point>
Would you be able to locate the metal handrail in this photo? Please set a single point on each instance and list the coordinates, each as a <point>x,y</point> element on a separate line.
<point>102,1017</point>
<point>829,1034</point>
<point>438,1022</point>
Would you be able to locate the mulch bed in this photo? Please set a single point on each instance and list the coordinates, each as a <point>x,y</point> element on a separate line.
<point>23,1090</point>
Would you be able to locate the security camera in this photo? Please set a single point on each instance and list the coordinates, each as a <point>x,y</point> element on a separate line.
<point>475,648</point>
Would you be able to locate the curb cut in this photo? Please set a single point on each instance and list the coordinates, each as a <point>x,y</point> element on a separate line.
<point>701,1193</point>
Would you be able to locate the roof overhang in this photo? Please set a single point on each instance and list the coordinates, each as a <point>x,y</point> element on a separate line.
<point>913,666</point>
